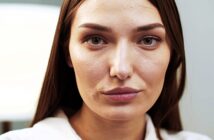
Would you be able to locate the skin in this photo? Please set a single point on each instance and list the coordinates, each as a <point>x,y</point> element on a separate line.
<point>119,56</point>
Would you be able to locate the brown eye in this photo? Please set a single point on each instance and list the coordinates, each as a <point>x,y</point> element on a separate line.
<point>149,42</point>
<point>95,40</point>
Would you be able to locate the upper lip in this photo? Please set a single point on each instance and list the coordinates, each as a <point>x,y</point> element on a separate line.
<point>121,90</point>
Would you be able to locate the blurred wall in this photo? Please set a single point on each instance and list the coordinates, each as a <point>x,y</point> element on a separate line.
<point>198,102</point>
<point>35,23</point>
<point>50,2</point>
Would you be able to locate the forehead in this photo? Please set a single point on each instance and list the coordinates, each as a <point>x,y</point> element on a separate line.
<point>120,11</point>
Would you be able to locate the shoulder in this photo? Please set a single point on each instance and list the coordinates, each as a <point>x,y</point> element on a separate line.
<point>53,128</point>
<point>22,134</point>
<point>182,135</point>
<point>39,131</point>
<point>167,135</point>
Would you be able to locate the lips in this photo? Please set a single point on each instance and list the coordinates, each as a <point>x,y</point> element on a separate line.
<point>123,94</point>
<point>125,90</point>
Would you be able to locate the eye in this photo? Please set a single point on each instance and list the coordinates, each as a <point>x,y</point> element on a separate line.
<point>149,42</point>
<point>95,40</point>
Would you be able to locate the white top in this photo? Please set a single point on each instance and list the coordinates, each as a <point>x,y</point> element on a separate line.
<point>59,128</point>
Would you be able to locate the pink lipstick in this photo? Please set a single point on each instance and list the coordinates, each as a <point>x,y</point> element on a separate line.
<point>123,94</point>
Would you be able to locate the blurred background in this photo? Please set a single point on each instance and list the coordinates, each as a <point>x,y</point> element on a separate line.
<point>197,106</point>
<point>26,33</point>
<point>42,2</point>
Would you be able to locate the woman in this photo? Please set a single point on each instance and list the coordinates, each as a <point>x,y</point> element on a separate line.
<point>116,72</point>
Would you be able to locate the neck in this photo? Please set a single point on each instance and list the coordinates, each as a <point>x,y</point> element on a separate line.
<point>87,124</point>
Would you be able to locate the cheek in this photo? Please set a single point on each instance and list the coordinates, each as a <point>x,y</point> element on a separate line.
<point>153,71</point>
<point>89,70</point>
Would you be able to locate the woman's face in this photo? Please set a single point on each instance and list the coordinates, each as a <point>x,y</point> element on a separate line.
<point>120,55</point>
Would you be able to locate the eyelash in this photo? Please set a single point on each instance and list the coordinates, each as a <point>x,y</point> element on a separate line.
<point>154,40</point>
<point>89,40</point>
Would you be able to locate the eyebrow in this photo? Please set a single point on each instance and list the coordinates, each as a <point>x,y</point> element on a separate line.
<point>107,29</point>
<point>96,27</point>
<point>149,27</point>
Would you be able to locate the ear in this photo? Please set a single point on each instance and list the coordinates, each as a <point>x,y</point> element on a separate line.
<point>69,62</point>
<point>68,57</point>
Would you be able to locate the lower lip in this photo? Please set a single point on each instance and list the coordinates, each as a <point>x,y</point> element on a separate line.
<point>121,97</point>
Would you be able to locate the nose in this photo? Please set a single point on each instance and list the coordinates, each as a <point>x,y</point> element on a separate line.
<point>121,66</point>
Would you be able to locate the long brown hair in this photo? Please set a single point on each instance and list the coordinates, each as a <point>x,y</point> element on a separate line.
<point>59,90</point>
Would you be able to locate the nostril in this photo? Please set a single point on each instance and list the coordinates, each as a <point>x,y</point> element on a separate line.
<point>121,73</point>
<point>123,76</point>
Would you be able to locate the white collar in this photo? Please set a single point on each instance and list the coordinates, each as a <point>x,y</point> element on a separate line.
<point>58,126</point>
<point>150,129</point>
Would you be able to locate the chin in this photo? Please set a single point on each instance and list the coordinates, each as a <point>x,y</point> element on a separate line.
<point>122,115</point>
